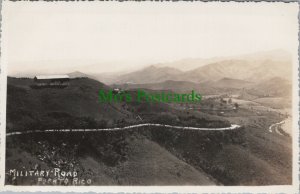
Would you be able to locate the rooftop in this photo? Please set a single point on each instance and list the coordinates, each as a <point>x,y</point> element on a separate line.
<point>52,77</point>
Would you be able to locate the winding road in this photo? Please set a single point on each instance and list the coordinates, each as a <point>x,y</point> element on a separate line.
<point>232,127</point>
<point>275,126</point>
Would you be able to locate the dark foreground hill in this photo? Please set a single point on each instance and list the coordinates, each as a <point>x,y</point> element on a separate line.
<point>156,156</point>
<point>250,155</point>
<point>78,106</point>
<point>73,106</point>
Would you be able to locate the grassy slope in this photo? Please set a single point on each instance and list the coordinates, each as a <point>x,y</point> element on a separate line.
<point>27,107</point>
<point>226,156</point>
<point>77,106</point>
<point>251,156</point>
<point>146,164</point>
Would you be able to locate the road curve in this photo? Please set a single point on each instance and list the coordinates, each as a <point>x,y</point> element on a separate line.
<point>275,127</point>
<point>232,127</point>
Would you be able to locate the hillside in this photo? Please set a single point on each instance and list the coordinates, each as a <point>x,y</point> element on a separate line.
<point>249,155</point>
<point>241,69</point>
<point>276,86</point>
<point>77,74</point>
<point>77,106</point>
<point>59,107</point>
<point>113,159</point>
<point>190,63</point>
<point>205,88</point>
<point>149,74</point>
<point>231,83</point>
<point>176,86</point>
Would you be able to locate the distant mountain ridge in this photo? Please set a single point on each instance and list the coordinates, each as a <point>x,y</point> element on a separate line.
<point>77,74</point>
<point>252,68</point>
<point>149,74</point>
<point>232,83</point>
<point>234,69</point>
<point>275,86</point>
<point>212,87</point>
<point>241,69</point>
<point>193,63</point>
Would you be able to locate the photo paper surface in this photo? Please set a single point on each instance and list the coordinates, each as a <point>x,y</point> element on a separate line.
<point>149,96</point>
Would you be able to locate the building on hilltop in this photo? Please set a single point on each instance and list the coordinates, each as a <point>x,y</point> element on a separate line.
<point>51,80</point>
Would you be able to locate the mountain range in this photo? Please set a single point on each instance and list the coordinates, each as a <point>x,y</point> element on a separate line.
<point>252,68</point>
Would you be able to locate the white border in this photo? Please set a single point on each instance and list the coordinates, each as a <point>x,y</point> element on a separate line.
<point>152,189</point>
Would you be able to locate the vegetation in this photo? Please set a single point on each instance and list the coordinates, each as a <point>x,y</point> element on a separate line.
<point>147,155</point>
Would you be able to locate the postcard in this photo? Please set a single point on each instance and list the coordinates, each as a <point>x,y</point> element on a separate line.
<point>158,97</point>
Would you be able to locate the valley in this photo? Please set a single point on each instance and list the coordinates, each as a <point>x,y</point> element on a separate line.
<point>132,143</point>
<point>239,133</point>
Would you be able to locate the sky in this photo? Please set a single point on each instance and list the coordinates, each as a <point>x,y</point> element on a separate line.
<point>112,36</point>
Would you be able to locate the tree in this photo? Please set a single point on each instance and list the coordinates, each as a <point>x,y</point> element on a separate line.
<point>236,105</point>
<point>221,100</point>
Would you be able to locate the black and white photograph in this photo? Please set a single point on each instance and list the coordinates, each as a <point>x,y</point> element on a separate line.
<point>150,94</point>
